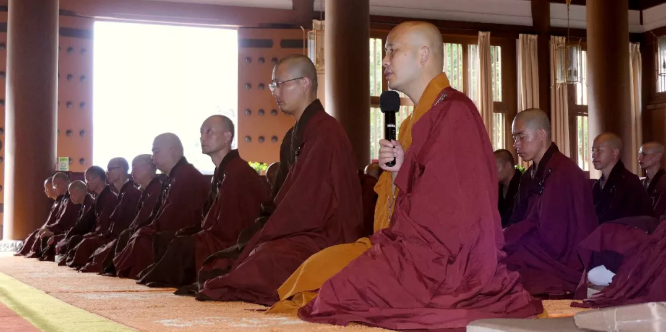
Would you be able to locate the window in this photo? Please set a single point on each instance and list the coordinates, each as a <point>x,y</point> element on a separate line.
<point>660,64</point>
<point>578,132</point>
<point>460,66</point>
<point>136,85</point>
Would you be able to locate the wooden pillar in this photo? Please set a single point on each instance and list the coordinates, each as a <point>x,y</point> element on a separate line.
<point>347,68</point>
<point>31,117</point>
<point>609,96</point>
<point>541,23</point>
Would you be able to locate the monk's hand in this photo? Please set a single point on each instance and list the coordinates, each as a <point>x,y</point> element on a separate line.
<point>389,150</point>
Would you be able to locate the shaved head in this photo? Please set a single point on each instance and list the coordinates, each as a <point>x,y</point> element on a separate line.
<point>217,134</point>
<point>505,156</point>
<point>414,56</point>
<point>78,185</point>
<point>299,65</point>
<point>652,147</point>
<point>143,169</point>
<point>77,191</point>
<point>119,162</point>
<point>531,134</point>
<point>61,176</point>
<point>606,152</point>
<point>60,183</point>
<point>143,159</point>
<point>650,157</point>
<point>611,140</point>
<point>536,119</point>
<point>167,151</point>
<point>294,84</point>
<point>373,170</point>
<point>49,189</point>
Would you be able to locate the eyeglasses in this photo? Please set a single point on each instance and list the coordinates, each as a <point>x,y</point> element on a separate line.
<point>276,85</point>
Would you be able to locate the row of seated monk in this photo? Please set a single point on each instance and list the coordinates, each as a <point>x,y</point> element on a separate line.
<point>438,256</point>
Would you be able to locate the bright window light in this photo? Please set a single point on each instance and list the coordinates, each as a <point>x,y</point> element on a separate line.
<point>152,79</point>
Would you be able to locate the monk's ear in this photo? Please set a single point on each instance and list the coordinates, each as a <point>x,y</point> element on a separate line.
<point>425,55</point>
<point>227,137</point>
<point>306,83</point>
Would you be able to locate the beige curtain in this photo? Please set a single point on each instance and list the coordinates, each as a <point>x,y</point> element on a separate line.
<point>635,70</point>
<point>559,117</point>
<point>485,83</point>
<point>528,76</point>
<point>528,72</point>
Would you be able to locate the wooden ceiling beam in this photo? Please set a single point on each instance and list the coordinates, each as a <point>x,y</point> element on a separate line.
<point>192,13</point>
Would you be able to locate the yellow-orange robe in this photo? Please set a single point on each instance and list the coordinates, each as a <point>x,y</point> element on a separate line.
<point>302,286</point>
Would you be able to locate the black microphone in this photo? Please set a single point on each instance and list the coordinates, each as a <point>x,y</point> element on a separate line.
<point>389,104</point>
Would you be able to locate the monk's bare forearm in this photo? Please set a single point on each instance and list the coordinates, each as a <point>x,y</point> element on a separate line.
<point>393,175</point>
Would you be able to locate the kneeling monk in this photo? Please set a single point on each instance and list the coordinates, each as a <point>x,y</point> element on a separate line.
<point>317,206</point>
<point>238,192</point>
<point>553,214</point>
<point>183,197</point>
<point>150,184</point>
<point>123,213</point>
<point>32,244</point>
<point>78,206</point>
<point>436,265</point>
<point>96,219</point>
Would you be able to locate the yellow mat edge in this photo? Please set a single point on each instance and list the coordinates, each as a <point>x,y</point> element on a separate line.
<point>48,313</point>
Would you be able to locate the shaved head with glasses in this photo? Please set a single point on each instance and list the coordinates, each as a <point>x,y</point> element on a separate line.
<point>294,84</point>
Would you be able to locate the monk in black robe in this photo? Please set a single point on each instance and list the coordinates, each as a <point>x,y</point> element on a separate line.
<point>650,158</point>
<point>237,194</point>
<point>618,193</point>
<point>183,199</point>
<point>509,181</point>
<point>78,204</point>
<point>123,213</point>
<point>150,184</point>
<point>96,218</point>
<point>59,196</point>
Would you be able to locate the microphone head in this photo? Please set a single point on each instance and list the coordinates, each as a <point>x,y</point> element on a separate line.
<point>389,101</point>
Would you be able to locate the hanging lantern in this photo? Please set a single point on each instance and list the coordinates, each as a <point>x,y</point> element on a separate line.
<point>316,44</point>
<point>568,58</point>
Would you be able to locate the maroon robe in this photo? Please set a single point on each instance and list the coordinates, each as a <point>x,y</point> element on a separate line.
<point>318,205</point>
<point>436,265</point>
<point>124,212</point>
<point>553,214</point>
<point>610,243</point>
<point>369,198</point>
<point>67,220</point>
<point>623,195</point>
<point>505,203</point>
<point>183,198</point>
<point>221,262</point>
<point>30,241</point>
<point>147,206</point>
<point>238,193</point>
<point>95,220</point>
<point>641,277</point>
<point>656,188</point>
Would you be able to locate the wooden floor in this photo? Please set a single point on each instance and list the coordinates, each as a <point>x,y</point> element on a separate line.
<point>111,304</point>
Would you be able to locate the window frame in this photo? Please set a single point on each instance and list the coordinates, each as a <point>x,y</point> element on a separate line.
<point>575,110</point>
<point>509,104</point>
